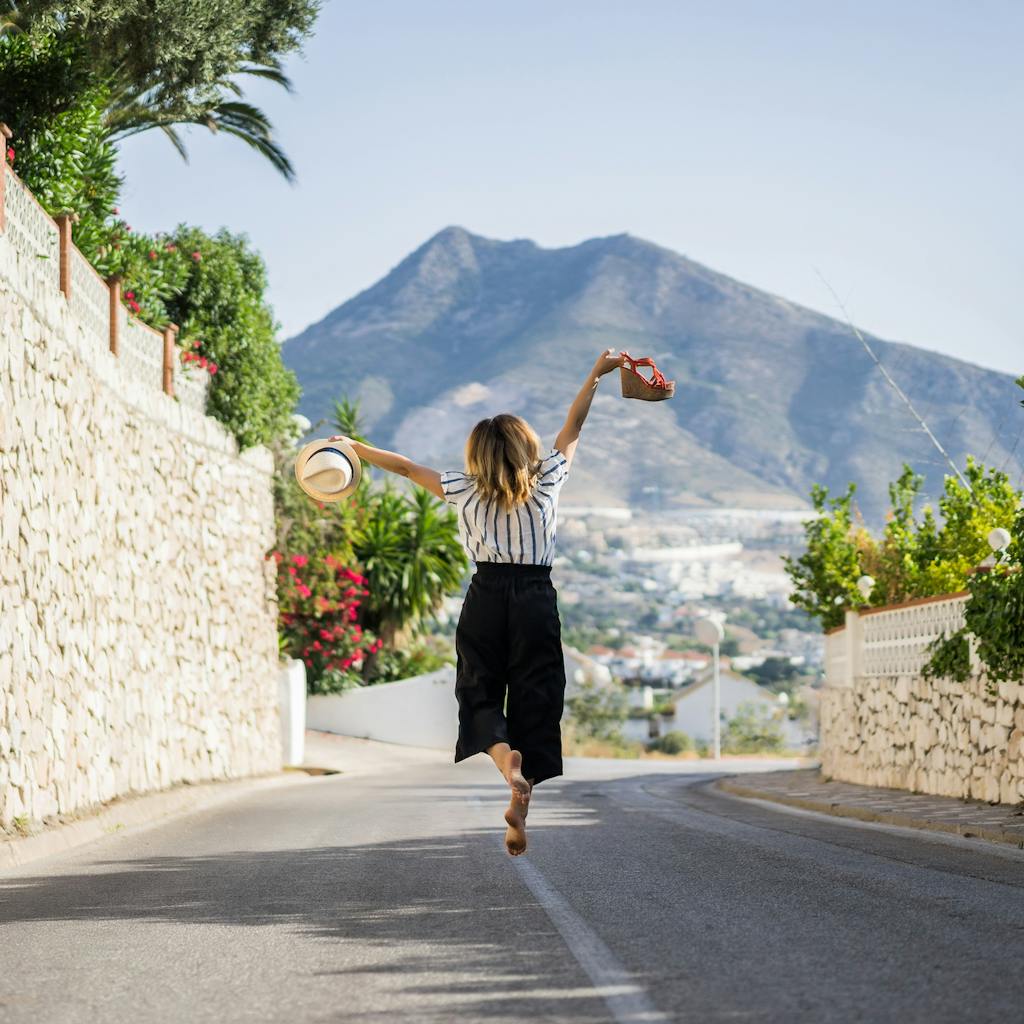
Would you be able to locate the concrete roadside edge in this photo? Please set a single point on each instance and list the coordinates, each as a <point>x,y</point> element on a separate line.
<point>837,810</point>
<point>136,812</point>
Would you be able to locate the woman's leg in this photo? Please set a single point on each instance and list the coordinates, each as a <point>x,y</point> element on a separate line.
<point>510,763</point>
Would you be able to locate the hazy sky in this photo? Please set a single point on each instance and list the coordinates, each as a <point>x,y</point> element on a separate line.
<point>880,142</point>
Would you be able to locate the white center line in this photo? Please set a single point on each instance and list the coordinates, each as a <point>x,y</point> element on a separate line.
<point>625,999</point>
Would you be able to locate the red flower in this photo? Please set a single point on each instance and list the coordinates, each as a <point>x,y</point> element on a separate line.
<point>197,256</point>
<point>293,570</point>
<point>152,254</point>
<point>129,295</point>
<point>10,154</point>
<point>317,646</point>
<point>212,368</point>
<point>304,591</point>
<point>170,247</point>
<point>300,560</point>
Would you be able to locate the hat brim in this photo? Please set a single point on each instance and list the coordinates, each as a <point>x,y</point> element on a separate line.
<point>345,450</point>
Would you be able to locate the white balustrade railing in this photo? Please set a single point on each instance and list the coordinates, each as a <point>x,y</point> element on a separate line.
<point>37,242</point>
<point>30,230</point>
<point>142,354</point>
<point>90,299</point>
<point>191,385</point>
<point>894,641</point>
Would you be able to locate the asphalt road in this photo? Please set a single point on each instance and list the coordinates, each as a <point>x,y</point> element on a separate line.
<point>388,897</point>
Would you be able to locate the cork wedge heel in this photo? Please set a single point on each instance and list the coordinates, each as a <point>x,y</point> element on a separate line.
<point>648,389</point>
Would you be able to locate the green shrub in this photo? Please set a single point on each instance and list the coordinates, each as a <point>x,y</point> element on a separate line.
<point>222,302</point>
<point>55,109</point>
<point>673,742</point>
<point>407,663</point>
<point>597,712</point>
<point>917,554</point>
<point>753,730</point>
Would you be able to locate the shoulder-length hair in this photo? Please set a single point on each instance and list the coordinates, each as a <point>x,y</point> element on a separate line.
<point>503,454</point>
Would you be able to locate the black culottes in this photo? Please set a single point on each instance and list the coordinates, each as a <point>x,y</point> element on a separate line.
<point>510,675</point>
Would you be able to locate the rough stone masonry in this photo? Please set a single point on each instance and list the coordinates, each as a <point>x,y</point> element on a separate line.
<point>138,643</point>
<point>928,736</point>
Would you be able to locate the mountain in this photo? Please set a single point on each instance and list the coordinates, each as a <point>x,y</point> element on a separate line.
<point>770,397</point>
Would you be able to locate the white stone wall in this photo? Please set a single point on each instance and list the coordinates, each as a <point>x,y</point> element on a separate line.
<point>138,645</point>
<point>884,724</point>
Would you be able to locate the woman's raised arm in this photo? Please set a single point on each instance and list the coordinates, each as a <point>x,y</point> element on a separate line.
<point>398,464</point>
<point>569,435</point>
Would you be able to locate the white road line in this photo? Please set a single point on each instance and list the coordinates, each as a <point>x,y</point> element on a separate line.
<point>627,1001</point>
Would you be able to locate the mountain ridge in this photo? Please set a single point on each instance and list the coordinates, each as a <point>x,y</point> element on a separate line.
<point>771,395</point>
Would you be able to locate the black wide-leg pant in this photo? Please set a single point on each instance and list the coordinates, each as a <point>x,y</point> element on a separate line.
<point>510,674</point>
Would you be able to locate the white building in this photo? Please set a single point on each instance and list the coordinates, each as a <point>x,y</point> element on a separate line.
<point>694,705</point>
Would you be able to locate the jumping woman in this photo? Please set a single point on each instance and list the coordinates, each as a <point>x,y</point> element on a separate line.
<point>510,675</point>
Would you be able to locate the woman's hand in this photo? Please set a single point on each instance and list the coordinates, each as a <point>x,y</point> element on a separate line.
<point>342,437</point>
<point>607,361</point>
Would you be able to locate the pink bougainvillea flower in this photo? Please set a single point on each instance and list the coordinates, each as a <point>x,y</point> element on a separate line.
<point>304,590</point>
<point>197,256</point>
<point>129,295</point>
<point>300,560</point>
<point>212,368</point>
<point>293,570</point>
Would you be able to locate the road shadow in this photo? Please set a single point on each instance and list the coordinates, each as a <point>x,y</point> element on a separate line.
<point>443,922</point>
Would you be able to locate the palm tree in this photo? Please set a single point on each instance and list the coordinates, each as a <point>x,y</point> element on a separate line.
<point>410,550</point>
<point>136,107</point>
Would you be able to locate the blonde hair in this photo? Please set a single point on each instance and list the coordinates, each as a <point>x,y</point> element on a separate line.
<point>503,454</point>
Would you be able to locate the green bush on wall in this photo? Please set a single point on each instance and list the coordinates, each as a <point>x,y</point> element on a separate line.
<point>223,303</point>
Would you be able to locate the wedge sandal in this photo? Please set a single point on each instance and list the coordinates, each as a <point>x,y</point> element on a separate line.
<point>649,389</point>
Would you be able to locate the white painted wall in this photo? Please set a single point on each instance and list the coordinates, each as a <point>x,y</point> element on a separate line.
<point>693,711</point>
<point>292,699</point>
<point>418,712</point>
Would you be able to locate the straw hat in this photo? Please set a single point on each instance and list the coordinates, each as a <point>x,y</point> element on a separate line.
<point>327,470</point>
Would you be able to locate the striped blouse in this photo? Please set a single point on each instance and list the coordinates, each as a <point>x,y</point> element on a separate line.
<point>526,534</point>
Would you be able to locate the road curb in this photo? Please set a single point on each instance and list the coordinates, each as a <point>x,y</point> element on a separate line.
<point>837,810</point>
<point>135,812</point>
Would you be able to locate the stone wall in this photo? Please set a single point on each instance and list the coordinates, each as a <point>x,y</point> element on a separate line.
<point>884,724</point>
<point>138,645</point>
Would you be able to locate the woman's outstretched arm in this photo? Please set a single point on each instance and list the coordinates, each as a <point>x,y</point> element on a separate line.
<point>395,463</point>
<point>569,435</point>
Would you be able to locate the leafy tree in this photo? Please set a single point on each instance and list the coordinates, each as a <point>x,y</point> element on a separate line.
<point>598,712</point>
<point>825,576</point>
<point>56,111</point>
<point>410,550</point>
<point>915,556</point>
<point>168,63</point>
<point>752,730</point>
<point>774,671</point>
<point>223,303</point>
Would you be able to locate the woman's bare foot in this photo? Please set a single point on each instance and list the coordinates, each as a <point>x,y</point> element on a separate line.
<point>515,834</point>
<point>517,782</point>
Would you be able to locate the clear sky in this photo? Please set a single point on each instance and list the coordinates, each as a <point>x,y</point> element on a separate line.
<point>879,142</point>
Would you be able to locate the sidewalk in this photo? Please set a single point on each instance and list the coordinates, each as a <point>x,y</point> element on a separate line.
<point>1003,823</point>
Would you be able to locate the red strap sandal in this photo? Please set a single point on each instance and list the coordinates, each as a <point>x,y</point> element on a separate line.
<point>636,385</point>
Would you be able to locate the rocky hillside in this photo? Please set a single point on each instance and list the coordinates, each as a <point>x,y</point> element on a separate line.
<point>771,397</point>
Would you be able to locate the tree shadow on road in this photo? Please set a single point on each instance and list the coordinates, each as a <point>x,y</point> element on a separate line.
<point>440,923</point>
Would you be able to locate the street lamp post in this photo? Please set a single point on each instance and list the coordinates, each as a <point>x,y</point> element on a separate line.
<point>710,634</point>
